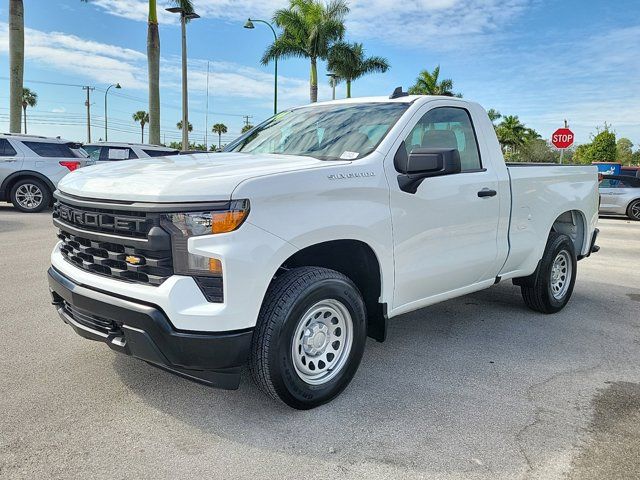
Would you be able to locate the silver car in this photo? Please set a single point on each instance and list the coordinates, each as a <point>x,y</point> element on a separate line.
<point>31,166</point>
<point>620,195</point>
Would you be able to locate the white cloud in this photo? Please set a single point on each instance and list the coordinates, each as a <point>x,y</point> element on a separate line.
<point>103,63</point>
<point>69,53</point>
<point>438,24</point>
<point>58,110</point>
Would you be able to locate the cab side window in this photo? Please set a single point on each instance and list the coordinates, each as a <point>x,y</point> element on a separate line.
<point>447,127</point>
<point>6,150</point>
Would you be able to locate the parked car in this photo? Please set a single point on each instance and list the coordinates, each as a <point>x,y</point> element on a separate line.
<point>620,195</point>
<point>630,171</point>
<point>31,167</point>
<point>104,152</point>
<point>307,235</point>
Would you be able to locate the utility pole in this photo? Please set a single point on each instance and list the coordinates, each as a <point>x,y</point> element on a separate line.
<point>206,114</point>
<point>88,105</point>
<point>246,119</point>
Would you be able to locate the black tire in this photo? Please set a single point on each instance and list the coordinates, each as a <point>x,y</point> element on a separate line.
<point>633,210</point>
<point>32,185</point>
<point>539,294</point>
<point>288,299</point>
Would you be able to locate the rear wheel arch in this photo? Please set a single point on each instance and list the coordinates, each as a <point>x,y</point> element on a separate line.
<point>15,177</point>
<point>573,224</point>
<point>628,210</point>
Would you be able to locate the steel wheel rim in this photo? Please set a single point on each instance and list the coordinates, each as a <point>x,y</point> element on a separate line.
<point>322,342</point>
<point>635,210</point>
<point>29,196</point>
<point>561,271</point>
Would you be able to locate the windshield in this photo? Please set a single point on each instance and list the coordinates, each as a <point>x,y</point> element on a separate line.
<point>327,132</point>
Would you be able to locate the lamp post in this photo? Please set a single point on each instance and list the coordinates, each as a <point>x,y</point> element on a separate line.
<point>249,25</point>
<point>184,17</point>
<point>106,130</point>
<point>333,78</point>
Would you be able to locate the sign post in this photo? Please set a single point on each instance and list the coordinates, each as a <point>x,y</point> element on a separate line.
<point>562,138</point>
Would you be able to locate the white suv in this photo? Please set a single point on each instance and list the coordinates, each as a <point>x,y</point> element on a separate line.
<point>103,152</point>
<point>31,167</point>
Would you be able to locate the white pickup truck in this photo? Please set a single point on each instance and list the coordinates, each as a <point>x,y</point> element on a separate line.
<point>307,235</point>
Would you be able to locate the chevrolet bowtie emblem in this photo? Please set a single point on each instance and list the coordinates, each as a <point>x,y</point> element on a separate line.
<point>133,260</point>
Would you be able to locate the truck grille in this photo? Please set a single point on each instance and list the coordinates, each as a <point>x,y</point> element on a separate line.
<point>124,245</point>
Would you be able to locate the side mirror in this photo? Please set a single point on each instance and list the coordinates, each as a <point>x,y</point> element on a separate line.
<point>423,163</point>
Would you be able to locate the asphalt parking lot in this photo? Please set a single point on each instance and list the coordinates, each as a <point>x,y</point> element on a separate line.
<point>477,387</point>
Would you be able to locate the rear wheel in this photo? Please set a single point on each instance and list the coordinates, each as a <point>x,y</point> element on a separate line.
<point>309,338</point>
<point>30,195</point>
<point>555,277</point>
<point>633,210</point>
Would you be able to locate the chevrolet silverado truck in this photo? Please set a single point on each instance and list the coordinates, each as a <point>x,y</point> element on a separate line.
<point>307,235</point>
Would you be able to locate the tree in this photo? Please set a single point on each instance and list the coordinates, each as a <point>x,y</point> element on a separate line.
<point>494,115</point>
<point>512,134</point>
<point>309,28</point>
<point>635,159</point>
<point>246,128</point>
<point>428,83</point>
<point>536,150</point>
<point>219,128</point>
<point>601,149</point>
<point>16,63</point>
<point>624,151</point>
<point>153,72</point>
<point>179,126</point>
<point>29,99</point>
<point>348,62</point>
<point>142,118</point>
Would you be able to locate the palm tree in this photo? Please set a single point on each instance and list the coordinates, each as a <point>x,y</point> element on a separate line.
<point>153,67</point>
<point>142,118</point>
<point>219,128</point>
<point>29,99</point>
<point>348,62</point>
<point>494,115</point>
<point>428,83</point>
<point>16,63</point>
<point>179,126</point>
<point>309,28</point>
<point>246,128</point>
<point>512,133</point>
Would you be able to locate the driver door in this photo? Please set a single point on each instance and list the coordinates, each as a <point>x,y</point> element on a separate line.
<point>445,234</point>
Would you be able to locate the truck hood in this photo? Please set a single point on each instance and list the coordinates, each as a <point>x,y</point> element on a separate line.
<point>179,178</point>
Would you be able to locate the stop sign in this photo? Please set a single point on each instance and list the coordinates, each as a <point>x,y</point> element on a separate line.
<point>562,138</point>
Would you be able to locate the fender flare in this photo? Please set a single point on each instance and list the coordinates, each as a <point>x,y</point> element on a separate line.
<point>15,176</point>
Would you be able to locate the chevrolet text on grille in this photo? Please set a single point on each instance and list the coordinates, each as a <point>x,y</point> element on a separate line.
<point>102,220</point>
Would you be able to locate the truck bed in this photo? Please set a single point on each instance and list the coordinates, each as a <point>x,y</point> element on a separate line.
<point>539,196</point>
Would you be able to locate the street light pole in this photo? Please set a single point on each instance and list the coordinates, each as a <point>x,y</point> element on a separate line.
<point>106,130</point>
<point>249,25</point>
<point>184,16</point>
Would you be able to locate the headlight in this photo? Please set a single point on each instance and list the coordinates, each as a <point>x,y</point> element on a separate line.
<point>193,224</point>
<point>183,225</point>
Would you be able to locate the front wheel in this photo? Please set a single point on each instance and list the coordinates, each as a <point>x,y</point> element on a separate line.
<point>633,211</point>
<point>555,277</point>
<point>309,338</point>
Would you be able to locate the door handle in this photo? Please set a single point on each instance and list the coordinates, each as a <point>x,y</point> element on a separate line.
<point>487,192</point>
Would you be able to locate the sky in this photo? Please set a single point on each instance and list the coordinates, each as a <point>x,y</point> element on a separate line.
<point>544,61</point>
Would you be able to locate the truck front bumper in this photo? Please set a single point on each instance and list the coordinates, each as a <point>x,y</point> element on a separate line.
<point>144,331</point>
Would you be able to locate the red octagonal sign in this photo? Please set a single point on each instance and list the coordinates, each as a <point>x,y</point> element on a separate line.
<point>562,138</point>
